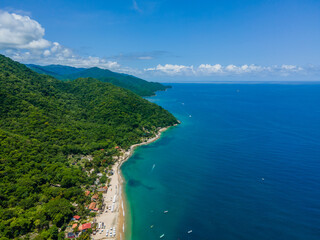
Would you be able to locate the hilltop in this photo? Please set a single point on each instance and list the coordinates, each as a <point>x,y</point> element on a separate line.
<point>135,84</point>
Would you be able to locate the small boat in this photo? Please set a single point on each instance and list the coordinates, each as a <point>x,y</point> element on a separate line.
<point>190,116</point>
<point>162,236</point>
<point>166,211</point>
<point>151,226</point>
<point>262,179</point>
<point>190,231</point>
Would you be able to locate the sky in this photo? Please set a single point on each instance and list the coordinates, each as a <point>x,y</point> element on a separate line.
<point>169,40</point>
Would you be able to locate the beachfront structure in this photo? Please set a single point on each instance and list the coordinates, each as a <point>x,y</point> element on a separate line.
<point>84,227</point>
<point>92,206</point>
<point>95,197</point>
<point>103,189</point>
<point>76,217</point>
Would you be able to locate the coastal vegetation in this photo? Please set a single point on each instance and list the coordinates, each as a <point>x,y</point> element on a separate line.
<point>56,137</point>
<point>137,85</point>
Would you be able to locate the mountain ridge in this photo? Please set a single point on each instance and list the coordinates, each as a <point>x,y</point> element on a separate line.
<point>130,82</point>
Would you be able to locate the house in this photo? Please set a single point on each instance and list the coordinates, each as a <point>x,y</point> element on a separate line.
<point>74,226</point>
<point>84,227</point>
<point>71,235</point>
<point>76,217</point>
<point>103,189</point>
<point>94,197</point>
<point>87,193</point>
<point>92,206</point>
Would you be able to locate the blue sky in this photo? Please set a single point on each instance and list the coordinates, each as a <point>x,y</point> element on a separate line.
<point>169,40</point>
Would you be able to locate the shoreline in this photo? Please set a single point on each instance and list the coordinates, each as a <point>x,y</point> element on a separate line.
<point>123,207</point>
<point>117,218</point>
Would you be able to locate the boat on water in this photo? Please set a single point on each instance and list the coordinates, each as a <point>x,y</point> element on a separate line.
<point>151,226</point>
<point>162,236</point>
<point>166,211</point>
<point>190,116</point>
<point>190,231</point>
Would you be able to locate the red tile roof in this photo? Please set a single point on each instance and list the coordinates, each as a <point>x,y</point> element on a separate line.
<point>87,193</point>
<point>76,217</point>
<point>92,205</point>
<point>74,225</point>
<point>86,226</point>
<point>96,196</point>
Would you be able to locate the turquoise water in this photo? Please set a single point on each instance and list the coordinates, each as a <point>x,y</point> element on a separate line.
<point>244,164</point>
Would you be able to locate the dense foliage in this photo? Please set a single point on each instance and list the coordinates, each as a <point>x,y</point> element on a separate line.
<point>137,85</point>
<point>42,122</point>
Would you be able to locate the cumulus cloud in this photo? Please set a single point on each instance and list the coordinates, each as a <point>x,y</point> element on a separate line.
<point>210,69</point>
<point>22,39</point>
<point>21,32</point>
<point>219,70</point>
<point>172,69</point>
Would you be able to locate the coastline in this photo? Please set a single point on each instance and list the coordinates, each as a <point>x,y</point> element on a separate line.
<point>118,216</point>
<point>123,207</point>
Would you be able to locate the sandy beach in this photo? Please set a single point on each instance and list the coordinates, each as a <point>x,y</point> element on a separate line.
<point>114,197</point>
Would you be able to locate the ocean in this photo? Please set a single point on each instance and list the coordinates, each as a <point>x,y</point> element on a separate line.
<point>243,164</point>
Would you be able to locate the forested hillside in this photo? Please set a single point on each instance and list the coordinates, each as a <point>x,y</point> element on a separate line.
<point>42,122</point>
<point>137,85</point>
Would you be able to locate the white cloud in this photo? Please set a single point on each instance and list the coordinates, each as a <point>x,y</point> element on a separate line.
<point>63,56</point>
<point>210,69</point>
<point>172,69</point>
<point>22,39</point>
<point>218,69</point>
<point>21,32</point>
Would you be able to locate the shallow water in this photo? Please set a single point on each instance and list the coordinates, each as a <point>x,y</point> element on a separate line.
<point>244,164</point>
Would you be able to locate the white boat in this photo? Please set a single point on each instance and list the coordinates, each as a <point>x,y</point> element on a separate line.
<point>166,211</point>
<point>162,236</point>
<point>190,231</point>
<point>190,116</point>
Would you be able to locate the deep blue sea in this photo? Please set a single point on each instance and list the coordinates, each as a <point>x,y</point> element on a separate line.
<point>243,164</point>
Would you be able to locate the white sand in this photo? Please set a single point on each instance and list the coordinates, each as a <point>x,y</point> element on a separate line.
<point>117,217</point>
